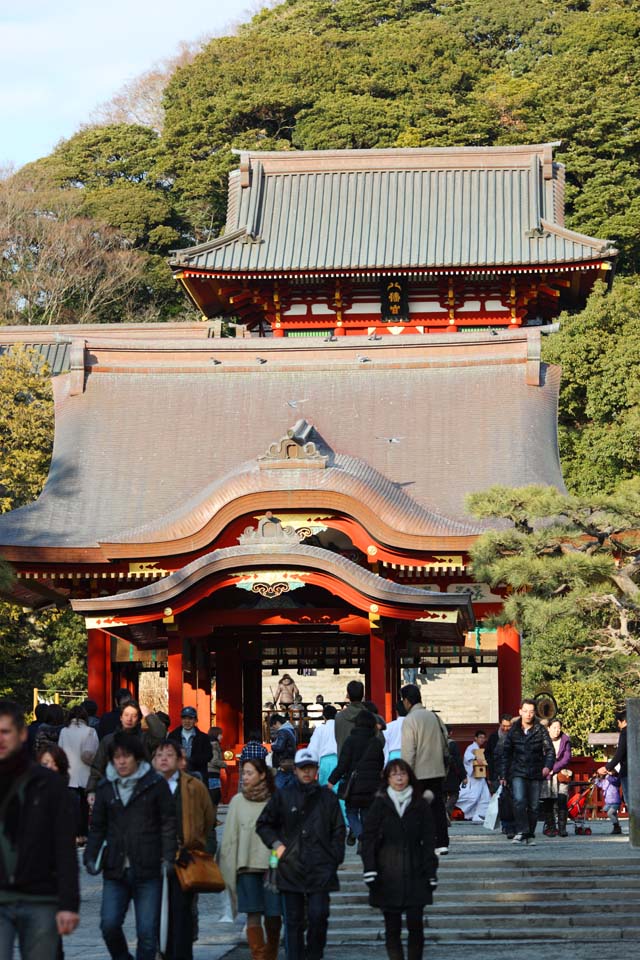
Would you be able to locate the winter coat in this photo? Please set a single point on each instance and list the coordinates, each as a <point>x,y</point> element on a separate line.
<point>284,746</point>
<point>610,786</point>
<point>400,849</point>
<point>201,751</point>
<point>80,743</point>
<point>242,848</point>
<point>620,756</point>
<point>48,735</point>
<point>47,864</point>
<point>142,832</point>
<point>425,743</point>
<point>109,723</point>
<point>563,756</point>
<point>525,755</point>
<point>217,761</point>
<point>286,692</point>
<point>346,721</point>
<point>308,820</point>
<point>195,813</point>
<point>363,753</point>
<point>456,772</point>
<point>101,759</point>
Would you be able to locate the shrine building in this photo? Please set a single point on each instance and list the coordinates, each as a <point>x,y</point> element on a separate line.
<point>293,497</point>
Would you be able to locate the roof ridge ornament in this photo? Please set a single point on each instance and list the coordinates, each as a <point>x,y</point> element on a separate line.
<point>271,530</point>
<point>294,450</point>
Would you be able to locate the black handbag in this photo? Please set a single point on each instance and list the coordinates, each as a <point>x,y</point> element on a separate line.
<point>346,786</point>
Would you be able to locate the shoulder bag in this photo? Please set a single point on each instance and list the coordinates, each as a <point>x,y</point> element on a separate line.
<point>198,872</point>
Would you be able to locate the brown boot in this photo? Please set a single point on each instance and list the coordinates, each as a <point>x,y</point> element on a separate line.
<point>273,925</point>
<point>255,939</point>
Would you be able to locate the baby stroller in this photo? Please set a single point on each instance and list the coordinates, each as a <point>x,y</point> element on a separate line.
<point>577,809</point>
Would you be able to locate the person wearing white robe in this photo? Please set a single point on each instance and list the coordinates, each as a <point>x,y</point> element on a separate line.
<point>474,795</point>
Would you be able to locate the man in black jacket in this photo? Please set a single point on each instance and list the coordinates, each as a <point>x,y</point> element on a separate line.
<point>133,831</point>
<point>527,758</point>
<point>303,824</point>
<point>39,897</point>
<point>619,759</point>
<point>195,744</point>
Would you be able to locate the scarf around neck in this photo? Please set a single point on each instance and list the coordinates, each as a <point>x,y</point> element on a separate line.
<point>400,798</point>
<point>258,793</point>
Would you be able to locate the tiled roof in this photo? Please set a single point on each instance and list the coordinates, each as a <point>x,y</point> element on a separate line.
<point>292,556</point>
<point>391,209</point>
<point>157,444</point>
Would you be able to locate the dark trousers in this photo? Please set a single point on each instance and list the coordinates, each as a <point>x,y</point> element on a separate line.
<point>438,808</point>
<point>526,802</point>
<point>393,932</point>
<point>83,812</point>
<point>317,905</point>
<point>180,940</point>
<point>33,925</point>
<point>116,897</point>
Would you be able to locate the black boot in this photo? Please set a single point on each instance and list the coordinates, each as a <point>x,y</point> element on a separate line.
<point>562,816</point>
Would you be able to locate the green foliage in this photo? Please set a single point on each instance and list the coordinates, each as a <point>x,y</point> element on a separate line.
<point>585,705</point>
<point>599,352</point>
<point>571,566</point>
<point>26,427</point>
<point>36,648</point>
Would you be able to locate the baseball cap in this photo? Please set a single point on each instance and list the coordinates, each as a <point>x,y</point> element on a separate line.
<point>305,758</point>
<point>189,712</point>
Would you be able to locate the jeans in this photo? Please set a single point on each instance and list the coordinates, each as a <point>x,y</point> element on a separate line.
<point>35,926</point>
<point>393,933</point>
<point>317,919</point>
<point>438,809</point>
<point>526,800</point>
<point>116,897</point>
<point>355,819</point>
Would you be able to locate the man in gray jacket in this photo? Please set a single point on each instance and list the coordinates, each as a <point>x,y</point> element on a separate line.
<point>346,719</point>
<point>425,747</point>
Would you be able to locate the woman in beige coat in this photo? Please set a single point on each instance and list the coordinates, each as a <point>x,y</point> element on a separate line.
<point>244,860</point>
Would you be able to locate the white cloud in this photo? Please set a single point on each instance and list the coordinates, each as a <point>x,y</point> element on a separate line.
<point>59,61</point>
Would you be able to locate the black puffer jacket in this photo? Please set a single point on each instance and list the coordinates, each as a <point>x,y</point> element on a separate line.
<point>362,751</point>
<point>45,835</point>
<point>401,851</point>
<point>524,755</point>
<point>308,821</point>
<point>144,831</point>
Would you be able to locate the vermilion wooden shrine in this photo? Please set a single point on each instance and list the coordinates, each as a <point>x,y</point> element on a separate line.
<point>296,497</point>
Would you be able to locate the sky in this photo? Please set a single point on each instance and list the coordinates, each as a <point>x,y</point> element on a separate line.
<point>60,59</point>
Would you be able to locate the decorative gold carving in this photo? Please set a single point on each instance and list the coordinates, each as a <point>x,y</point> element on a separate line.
<point>270,589</point>
<point>294,450</point>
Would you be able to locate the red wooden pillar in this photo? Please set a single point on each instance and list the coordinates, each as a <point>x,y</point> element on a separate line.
<point>391,692</point>
<point>377,677</point>
<point>99,669</point>
<point>509,670</point>
<point>196,682</point>
<point>229,713</point>
<point>174,658</point>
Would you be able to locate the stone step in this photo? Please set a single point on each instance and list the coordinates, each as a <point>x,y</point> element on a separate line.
<point>496,907</point>
<point>604,933</point>
<point>504,921</point>
<point>485,894</point>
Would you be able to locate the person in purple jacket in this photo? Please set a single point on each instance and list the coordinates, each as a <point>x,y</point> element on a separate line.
<point>554,794</point>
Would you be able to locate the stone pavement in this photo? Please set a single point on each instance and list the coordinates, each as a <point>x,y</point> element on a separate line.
<point>471,848</point>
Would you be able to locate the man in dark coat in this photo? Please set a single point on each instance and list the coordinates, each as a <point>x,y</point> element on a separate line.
<point>619,759</point>
<point>110,721</point>
<point>133,831</point>
<point>527,758</point>
<point>303,824</point>
<point>195,744</point>
<point>361,761</point>
<point>39,896</point>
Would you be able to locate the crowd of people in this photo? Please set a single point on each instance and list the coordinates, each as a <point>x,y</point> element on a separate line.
<point>142,800</point>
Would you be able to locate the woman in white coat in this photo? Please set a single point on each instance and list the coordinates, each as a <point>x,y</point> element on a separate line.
<point>80,743</point>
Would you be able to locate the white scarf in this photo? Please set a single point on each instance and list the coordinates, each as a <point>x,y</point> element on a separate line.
<point>400,798</point>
